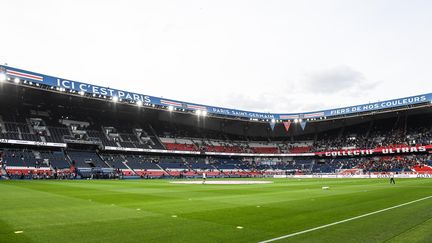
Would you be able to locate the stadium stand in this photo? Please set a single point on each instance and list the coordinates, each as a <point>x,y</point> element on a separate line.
<point>67,135</point>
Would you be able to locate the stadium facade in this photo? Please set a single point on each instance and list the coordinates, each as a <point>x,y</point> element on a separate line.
<point>52,126</point>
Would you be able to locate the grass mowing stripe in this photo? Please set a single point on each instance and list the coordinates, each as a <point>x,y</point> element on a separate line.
<point>81,211</point>
<point>344,221</point>
<point>410,229</point>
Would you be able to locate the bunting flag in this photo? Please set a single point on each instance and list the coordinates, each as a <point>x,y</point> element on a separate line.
<point>287,125</point>
<point>272,125</point>
<point>303,125</point>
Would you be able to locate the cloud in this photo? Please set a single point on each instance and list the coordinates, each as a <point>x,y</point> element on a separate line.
<point>317,90</point>
<point>320,89</point>
<point>261,102</point>
<point>335,80</point>
<point>268,102</point>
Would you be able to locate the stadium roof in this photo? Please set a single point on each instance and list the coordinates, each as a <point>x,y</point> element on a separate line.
<point>23,77</point>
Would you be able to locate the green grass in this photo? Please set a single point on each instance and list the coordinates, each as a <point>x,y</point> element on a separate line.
<point>106,211</point>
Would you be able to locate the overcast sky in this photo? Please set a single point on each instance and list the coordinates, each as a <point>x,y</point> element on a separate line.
<point>269,56</point>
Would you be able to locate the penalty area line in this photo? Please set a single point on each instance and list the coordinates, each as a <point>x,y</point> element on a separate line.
<point>345,220</point>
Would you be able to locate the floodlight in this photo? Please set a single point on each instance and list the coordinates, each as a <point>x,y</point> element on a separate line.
<point>170,108</point>
<point>296,120</point>
<point>273,120</point>
<point>198,112</point>
<point>81,93</point>
<point>204,113</point>
<point>139,103</point>
<point>115,99</point>
<point>16,80</point>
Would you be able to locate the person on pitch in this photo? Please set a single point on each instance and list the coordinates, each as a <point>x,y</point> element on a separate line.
<point>204,177</point>
<point>392,180</point>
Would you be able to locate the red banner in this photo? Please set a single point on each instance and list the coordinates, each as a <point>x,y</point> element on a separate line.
<point>382,150</point>
<point>287,125</point>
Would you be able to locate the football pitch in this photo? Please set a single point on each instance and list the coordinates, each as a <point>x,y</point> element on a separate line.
<point>351,210</point>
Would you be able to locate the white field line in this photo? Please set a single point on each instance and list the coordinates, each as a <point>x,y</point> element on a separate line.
<point>343,221</point>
